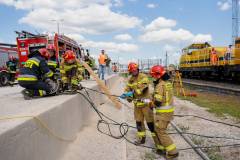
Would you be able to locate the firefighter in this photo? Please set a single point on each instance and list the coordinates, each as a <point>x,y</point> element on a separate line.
<point>52,62</point>
<point>90,62</point>
<point>163,102</point>
<point>71,71</point>
<point>35,75</point>
<point>137,90</point>
<point>12,65</point>
<point>114,67</point>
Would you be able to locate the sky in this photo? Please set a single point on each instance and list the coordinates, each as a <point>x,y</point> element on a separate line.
<point>127,29</point>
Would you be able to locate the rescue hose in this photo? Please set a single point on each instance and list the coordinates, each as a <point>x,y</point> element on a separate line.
<point>176,115</point>
<point>124,128</point>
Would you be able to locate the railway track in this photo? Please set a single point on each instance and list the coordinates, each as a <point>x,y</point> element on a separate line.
<point>198,151</point>
<point>218,87</point>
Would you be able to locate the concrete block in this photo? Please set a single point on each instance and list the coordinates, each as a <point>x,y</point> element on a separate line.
<point>25,139</point>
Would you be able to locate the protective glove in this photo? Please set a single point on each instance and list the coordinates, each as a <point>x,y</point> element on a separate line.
<point>146,101</point>
<point>127,95</point>
<point>129,100</point>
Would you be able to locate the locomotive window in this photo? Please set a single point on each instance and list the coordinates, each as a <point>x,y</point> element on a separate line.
<point>237,42</point>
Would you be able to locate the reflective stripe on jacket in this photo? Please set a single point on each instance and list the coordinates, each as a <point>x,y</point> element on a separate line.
<point>34,69</point>
<point>163,94</point>
<point>140,86</point>
<point>26,77</point>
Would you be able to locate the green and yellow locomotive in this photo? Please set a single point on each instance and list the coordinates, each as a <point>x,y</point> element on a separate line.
<point>203,60</point>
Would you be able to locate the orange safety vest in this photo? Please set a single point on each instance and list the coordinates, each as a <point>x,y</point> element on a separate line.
<point>102,59</point>
<point>214,57</point>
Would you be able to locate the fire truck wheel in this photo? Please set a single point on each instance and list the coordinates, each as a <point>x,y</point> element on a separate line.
<point>4,78</point>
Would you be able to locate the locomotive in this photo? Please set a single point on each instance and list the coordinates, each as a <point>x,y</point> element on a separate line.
<point>197,61</point>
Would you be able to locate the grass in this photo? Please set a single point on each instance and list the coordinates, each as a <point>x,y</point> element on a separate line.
<point>213,154</point>
<point>198,141</point>
<point>219,104</point>
<point>183,128</point>
<point>149,156</point>
<point>124,75</point>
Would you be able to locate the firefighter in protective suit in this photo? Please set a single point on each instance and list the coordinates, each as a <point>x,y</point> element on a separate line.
<point>35,75</point>
<point>163,102</point>
<point>12,65</point>
<point>52,62</point>
<point>71,71</point>
<point>137,90</point>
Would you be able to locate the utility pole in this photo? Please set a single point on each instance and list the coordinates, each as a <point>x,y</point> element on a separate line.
<point>58,22</point>
<point>166,59</point>
<point>235,18</point>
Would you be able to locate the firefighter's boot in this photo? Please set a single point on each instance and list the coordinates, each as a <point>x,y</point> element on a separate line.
<point>159,148</point>
<point>65,87</point>
<point>141,134</point>
<point>140,140</point>
<point>27,94</point>
<point>77,87</point>
<point>161,152</point>
<point>11,83</point>
<point>172,156</point>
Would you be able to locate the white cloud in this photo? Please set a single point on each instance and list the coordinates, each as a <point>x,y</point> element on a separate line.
<point>166,34</point>
<point>109,46</point>
<point>77,37</point>
<point>200,38</point>
<point>80,16</point>
<point>160,22</point>
<point>112,46</point>
<point>160,31</point>
<point>169,48</point>
<point>56,4</point>
<point>123,37</point>
<point>118,3</point>
<point>224,5</point>
<point>151,5</point>
<point>173,36</point>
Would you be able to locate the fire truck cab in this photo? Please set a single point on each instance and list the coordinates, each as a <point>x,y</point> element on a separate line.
<point>28,43</point>
<point>6,50</point>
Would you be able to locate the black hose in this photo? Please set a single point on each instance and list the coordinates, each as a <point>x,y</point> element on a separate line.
<point>124,128</point>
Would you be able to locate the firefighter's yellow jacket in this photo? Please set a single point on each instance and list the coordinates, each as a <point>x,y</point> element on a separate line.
<point>140,86</point>
<point>163,97</point>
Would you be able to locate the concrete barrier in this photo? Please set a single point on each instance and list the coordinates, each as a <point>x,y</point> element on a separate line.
<point>26,139</point>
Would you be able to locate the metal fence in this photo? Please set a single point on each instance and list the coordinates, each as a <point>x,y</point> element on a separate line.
<point>144,64</point>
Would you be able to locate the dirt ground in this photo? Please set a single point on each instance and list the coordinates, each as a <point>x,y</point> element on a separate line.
<point>199,126</point>
<point>192,125</point>
<point>80,149</point>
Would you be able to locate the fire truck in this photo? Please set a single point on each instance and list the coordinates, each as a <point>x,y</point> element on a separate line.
<point>28,43</point>
<point>6,50</point>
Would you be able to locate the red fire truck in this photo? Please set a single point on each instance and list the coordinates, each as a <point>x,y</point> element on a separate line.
<point>28,42</point>
<point>6,50</point>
